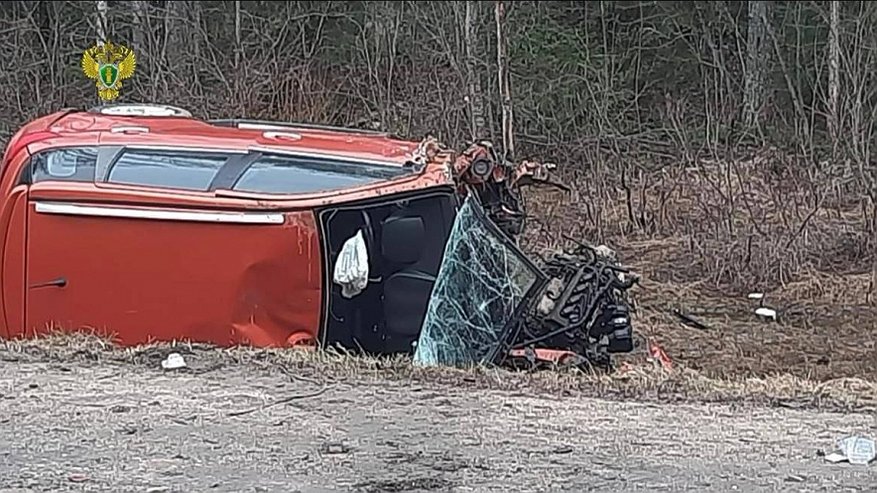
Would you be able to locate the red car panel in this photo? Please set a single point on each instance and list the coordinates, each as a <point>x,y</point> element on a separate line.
<point>141,273</point>
<point>144,263</point>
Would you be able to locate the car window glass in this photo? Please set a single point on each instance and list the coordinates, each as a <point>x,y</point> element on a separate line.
<point>69,164</point>
<point>169,169</point>
<point>483,283</point>
<point>294,174</point>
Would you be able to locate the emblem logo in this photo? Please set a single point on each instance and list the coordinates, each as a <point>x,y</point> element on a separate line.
<point>108,65</point>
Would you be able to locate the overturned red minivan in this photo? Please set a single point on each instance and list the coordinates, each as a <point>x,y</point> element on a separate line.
<point>144,224</point>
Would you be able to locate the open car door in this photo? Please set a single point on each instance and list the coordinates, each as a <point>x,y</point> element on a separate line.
<point>484,285</point>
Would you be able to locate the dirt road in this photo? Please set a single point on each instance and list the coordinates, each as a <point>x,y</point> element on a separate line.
<point>106,426</point>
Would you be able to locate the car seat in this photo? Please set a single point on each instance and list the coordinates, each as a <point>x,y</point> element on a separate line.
<point>407,286</point>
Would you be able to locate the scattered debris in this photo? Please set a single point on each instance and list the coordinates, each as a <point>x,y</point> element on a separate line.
<point>77,478</point>
<point>174,361</point>
<point>284,400</point>
<point>765,312</point>
<point>856,450</point>
<point>334,448</point>
<point>659,356</point>
<point>690,321</point>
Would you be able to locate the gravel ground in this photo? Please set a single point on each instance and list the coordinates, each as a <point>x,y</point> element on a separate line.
<point>80,426</point>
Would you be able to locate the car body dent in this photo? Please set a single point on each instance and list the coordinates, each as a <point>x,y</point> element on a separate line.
<point>148,279</point>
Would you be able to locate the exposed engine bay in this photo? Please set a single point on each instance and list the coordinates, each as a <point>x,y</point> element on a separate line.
<point>582,314</point>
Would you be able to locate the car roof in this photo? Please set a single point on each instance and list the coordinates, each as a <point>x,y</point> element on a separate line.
<point>170,126</point>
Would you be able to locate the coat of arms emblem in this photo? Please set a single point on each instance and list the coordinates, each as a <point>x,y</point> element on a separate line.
<point>108,65</point>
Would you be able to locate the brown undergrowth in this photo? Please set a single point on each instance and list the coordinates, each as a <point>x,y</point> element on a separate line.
<point>703,236</point>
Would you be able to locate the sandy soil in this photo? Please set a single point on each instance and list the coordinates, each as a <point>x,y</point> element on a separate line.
<point>110,426</point>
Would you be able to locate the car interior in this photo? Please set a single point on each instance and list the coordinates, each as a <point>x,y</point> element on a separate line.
<point>405,238</point>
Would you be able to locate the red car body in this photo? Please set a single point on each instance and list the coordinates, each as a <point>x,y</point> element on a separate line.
<point>96,241</point>
<point>144,224</point>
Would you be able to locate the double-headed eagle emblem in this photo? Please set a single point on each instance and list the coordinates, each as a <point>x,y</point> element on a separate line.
<point>108,65</point>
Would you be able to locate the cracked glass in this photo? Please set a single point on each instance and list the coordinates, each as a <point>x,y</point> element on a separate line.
<point>483,284</point>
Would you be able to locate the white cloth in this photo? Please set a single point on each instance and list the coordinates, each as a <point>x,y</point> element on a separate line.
<point>351,270</point>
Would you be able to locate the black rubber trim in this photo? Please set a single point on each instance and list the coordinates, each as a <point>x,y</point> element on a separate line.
<point>232,170</point>
<point>236,123</point>
<point>106,156</point>
<point>25,177</point>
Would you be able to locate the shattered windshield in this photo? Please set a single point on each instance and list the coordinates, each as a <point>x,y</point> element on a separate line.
<point>482,284</point>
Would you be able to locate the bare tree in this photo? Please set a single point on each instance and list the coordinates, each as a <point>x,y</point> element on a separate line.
<point>474,93</point>
<point>757,53</point>
<point>833,71</point>
<point>508,137</point>
<point>101,21</point>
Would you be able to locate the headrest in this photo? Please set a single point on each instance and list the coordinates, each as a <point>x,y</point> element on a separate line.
<point>402,239</point>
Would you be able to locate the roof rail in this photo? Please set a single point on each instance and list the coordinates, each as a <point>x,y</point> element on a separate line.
<point>268,125</point>
<point>141,110</point>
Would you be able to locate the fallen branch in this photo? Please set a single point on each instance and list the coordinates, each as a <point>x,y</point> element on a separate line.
<point>285,400</point>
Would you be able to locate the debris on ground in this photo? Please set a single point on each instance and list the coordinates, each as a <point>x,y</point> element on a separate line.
<point>690,320</point>
<point>765,312</point>
<point>659,357</point>
<point>856,450</point>
<point>174,361</point>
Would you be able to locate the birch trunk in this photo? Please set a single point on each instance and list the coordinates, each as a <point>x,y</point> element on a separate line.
<point>756,60</point>
<point>508,141</point>
<point>834,71</point>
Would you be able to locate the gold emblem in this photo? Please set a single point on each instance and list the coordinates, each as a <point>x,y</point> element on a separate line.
<point>108,65</point>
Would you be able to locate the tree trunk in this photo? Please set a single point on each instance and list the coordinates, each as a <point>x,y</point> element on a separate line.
<point>101,22</point>
<point>508,140</point>
<point>476,99</point>
<point>139,27</point>
<point>834,72</point>
<point>237,35</point>
<point>757,55</point>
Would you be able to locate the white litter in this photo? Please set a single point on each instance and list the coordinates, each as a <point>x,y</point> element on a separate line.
<point>173,362</point>
<point>766,312</point>
<point>755,296</point>
<point>856,450</point>
<point>351,270</point>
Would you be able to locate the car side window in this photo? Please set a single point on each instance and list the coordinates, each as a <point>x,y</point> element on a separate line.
<point>186,170</point>
<point>292,174</point>
<point>67,164</point>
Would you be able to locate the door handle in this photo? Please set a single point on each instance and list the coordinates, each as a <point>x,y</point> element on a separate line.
<point>57,283</point>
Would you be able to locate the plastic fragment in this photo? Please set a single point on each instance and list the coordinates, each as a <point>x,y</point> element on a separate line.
<point>856,450</point>
<point>173,362</point>
<point>766,312</point>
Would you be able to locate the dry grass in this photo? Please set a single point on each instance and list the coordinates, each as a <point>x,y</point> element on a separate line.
<point>703,235</point>
<point>635,379</point>
<point>739,225</point>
